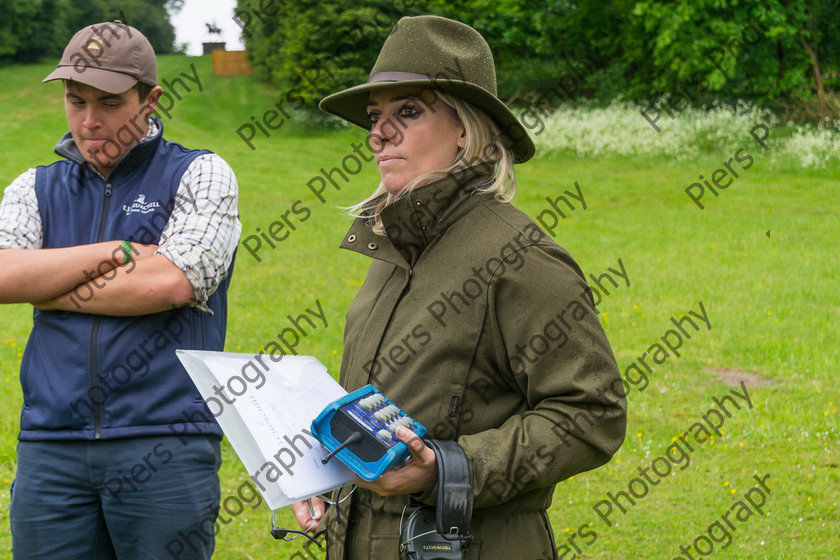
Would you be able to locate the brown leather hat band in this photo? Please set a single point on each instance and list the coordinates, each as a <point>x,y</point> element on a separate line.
<point>397,77</point>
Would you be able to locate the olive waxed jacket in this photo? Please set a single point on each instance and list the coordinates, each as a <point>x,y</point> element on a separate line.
<point>482,328</point>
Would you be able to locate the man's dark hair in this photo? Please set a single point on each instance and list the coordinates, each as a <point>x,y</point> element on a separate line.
<point>143,90</point>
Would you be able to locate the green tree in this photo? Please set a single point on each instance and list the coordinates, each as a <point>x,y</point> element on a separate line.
<point>766,50</point>
<point>150,17</point>
<point>318,47</point>
<point>313,47</point>
<point>769,51</point>
<point>32,30</point>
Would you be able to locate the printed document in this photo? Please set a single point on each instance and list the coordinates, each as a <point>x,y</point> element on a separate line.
<point>266,409</point>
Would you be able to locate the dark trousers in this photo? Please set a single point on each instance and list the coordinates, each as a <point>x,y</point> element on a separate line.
<point>134,498</point>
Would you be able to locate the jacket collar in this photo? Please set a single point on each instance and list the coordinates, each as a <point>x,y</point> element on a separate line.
<point>416,220</point>
<point>138,153</point>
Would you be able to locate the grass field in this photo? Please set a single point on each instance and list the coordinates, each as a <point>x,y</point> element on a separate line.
<point>771,299</point>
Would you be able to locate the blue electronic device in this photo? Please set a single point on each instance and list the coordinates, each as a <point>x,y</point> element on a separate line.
<point>359,429</point>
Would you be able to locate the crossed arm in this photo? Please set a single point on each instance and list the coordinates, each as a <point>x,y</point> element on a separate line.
<point>201,238</point>
<point>92,279</point>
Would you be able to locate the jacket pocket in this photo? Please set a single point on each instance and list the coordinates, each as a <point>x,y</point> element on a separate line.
<point>384,547</point>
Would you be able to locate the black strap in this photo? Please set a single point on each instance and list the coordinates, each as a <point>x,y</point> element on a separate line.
<point>455,492</point>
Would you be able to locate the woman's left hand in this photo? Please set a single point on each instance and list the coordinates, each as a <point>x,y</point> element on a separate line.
<point>414,476</point>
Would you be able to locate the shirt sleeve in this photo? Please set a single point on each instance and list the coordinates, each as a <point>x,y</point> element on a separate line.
<point>203,230</point>
<point>20,221</point>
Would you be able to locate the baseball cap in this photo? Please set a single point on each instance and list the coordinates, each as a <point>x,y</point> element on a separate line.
<point>111,56</point>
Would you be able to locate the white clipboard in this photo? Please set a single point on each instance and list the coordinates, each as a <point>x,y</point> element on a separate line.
<point>265,409</point>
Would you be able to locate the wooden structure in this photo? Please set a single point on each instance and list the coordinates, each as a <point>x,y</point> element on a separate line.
<point>231,63</point>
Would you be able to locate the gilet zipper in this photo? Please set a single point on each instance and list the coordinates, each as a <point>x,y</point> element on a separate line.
<point>94,335</point>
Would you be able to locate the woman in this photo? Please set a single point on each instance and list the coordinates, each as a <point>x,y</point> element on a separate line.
<point>470,319</point>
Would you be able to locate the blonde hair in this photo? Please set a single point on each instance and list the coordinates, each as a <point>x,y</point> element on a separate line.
<point>484,143</point>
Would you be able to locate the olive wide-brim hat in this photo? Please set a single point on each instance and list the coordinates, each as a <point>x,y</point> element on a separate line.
<point>436,53</point>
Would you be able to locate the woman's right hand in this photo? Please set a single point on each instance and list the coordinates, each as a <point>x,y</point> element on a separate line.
<point>307,518</point>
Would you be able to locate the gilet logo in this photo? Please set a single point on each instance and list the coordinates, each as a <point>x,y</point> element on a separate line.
<point>140,205</point>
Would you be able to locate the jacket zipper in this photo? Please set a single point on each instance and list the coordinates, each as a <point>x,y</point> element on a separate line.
<point>94,335</point>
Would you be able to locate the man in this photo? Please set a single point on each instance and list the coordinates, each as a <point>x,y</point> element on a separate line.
<point>125,249</point>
